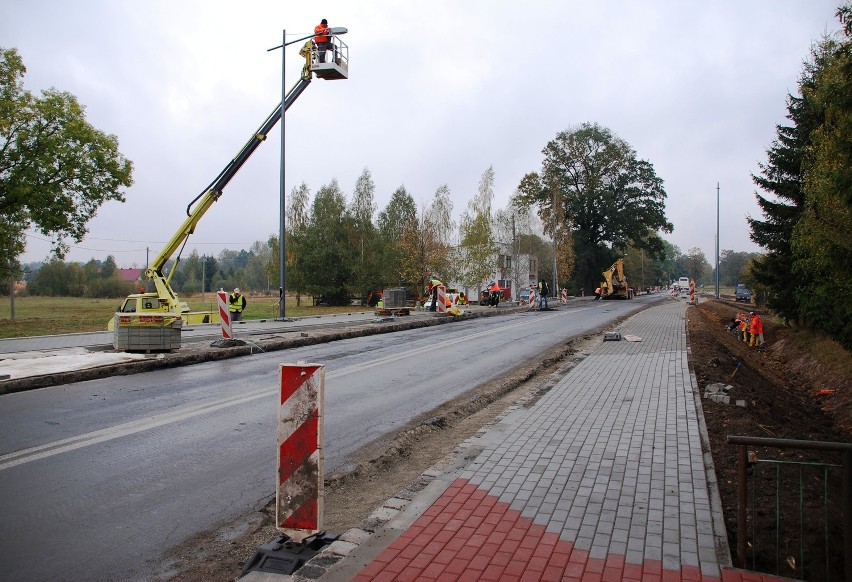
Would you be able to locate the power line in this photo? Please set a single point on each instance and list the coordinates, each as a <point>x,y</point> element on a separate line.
<point>131,241</point>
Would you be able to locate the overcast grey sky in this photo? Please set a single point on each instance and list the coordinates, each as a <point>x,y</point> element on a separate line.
<point>438,92</point>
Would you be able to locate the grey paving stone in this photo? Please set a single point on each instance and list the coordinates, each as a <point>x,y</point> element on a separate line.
<point>615,466</point>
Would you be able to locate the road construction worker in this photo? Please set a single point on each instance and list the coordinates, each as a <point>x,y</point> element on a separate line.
<point>756,330</point>
<point>543,292</point>
<point>434,283</point>
<point>494,290</point>
<point>462,298</point>
<point>322,39</point>
<point>735,326</point>
<point>744,323</point>
<point>237,303</point>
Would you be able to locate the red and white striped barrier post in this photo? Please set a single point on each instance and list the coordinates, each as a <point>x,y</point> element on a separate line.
<point>299,495</point>
<point>442,300</point>
<point>692,291</point>
<point>224,314</point>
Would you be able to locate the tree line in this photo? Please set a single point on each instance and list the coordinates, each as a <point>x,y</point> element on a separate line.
<point>256,269</point>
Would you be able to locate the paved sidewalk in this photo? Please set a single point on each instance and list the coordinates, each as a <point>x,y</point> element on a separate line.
<point>604,478</point>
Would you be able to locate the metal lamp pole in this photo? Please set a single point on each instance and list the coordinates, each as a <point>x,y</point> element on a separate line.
<point>718,277</point>
<point>282,250</point>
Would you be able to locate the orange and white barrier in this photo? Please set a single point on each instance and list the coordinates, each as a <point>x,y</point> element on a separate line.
<point>299,495</point>
<point>692,291</point>
<point>442,299</point>
<point>224,314</point>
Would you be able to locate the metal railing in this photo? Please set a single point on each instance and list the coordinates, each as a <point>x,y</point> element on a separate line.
<point>834,523</point>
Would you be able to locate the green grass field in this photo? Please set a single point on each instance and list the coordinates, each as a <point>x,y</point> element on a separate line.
<point>56,315</point>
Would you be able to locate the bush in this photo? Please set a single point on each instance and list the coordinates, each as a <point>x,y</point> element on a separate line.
<point>107,288</point>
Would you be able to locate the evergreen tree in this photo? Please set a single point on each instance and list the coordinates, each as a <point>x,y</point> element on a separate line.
<point>782,177</point>
<point>822,245</point>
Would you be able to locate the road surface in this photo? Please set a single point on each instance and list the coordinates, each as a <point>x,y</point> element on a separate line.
<point>99,479</point>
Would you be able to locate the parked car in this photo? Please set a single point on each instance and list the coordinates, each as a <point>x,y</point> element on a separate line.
<point>742,294</point>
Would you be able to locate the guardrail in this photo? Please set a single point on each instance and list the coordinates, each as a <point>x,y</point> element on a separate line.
<point>813,473</point>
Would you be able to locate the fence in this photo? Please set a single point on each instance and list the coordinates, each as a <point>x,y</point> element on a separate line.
<point>795,519</point>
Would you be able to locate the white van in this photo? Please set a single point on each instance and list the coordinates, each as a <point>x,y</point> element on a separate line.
<point>683,285</point>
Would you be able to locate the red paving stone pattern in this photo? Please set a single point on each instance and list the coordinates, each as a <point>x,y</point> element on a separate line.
<point>469,535</point>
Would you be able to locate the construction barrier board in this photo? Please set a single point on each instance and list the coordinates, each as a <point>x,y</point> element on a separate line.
<point>299,493</point>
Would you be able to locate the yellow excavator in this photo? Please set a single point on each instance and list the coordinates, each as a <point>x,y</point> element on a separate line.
<point>164,299</point>
<point>615,284</point>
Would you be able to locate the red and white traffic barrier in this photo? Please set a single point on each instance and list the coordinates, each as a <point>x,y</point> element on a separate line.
<point>299,495</point>
<point>224,314</point>
<point>442,299</point>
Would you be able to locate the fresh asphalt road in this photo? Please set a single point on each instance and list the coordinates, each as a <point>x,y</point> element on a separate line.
<point>99,479</point>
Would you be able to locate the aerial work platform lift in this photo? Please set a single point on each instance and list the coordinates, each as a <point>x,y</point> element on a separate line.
<point>164,299</point>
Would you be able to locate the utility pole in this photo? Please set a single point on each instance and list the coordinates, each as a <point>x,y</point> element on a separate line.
<point>555,276</point>
<point>12,289</point>
<point>718,279</point>
<point>515,267</point>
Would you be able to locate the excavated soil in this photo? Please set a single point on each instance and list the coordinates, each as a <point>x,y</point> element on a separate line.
<point>794,514</point>
<point>779,386</point>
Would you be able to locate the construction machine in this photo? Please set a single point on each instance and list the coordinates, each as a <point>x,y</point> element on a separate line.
<point>164,299</point>
<point>615,284</point>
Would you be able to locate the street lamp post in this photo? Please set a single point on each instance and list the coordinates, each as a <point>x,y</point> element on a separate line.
<point>282,251</point>
<point>718,275</point>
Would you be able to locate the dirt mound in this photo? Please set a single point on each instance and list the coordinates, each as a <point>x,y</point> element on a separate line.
<point>782,394</point>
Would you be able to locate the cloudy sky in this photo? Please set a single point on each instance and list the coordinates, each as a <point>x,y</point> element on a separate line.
<point>438,92</point>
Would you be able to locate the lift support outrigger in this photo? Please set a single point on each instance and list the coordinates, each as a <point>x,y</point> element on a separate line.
<point>164,299</point>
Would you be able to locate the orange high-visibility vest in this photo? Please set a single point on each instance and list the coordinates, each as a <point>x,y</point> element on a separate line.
<point>321,29</point>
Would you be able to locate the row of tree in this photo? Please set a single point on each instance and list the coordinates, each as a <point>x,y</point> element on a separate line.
<point>806,225</point>
<point>256,269</point>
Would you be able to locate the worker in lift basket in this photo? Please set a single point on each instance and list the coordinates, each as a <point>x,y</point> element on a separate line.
<point>322,39</point>
<point>237,303</point>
